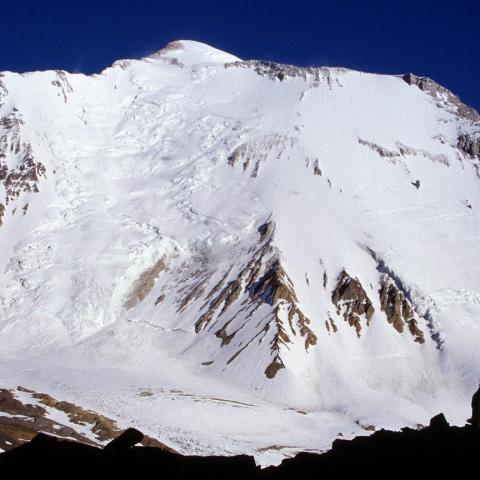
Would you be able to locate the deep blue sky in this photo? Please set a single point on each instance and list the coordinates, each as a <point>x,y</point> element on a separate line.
<point>440,39</point>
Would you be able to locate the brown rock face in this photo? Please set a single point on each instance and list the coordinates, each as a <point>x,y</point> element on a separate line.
<point>223,300</point>
<point>263,280</point>
<point>144,284</point>
<point>23,421</point>
<point>330,324</point>
<point>274,367</point>
<point>399,310</point>
<point>350,297</point>
<point>276,288</point>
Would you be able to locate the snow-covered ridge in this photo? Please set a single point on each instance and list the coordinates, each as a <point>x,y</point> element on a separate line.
<point>296,239</point>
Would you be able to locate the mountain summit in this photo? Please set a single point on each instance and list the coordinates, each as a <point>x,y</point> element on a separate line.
<point>240,255</point>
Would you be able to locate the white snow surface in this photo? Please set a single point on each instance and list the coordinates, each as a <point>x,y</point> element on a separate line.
<point>138,170</point>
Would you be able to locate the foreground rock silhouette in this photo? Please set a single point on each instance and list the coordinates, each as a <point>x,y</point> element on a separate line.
<point>475,418</point>
<point>438,449</point>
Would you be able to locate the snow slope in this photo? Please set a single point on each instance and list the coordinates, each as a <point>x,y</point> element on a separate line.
<point>277,255</point>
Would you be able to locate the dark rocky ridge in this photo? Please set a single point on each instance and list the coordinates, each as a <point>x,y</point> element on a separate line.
<point>436,450</point>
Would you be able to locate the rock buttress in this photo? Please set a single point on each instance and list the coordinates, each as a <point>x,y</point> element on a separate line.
<point>350,297</point>
<point>398,309</point>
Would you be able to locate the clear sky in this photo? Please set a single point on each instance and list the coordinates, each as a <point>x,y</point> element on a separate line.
<point>440,39</point>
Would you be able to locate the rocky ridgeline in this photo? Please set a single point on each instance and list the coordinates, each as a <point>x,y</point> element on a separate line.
<point>24,413</point>
<point>468,143</point>
<point>443,96</point>
<point>434,451</point>
<point>281,71</point>
<point>263,281</point>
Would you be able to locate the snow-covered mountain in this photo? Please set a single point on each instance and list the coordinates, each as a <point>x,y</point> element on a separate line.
<point>240,256</point>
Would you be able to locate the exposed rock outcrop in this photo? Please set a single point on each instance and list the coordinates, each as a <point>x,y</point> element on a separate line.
<point>21,420</point>
<point>62,84</point>
<point>398,309</point>
<point>262,281</point>
<point>443,96</point>
<point>10,126</point>
<point>469,145</point>
<point>397,156</point>
<point>281,72</point>
<point>276,288</point>
<point>316,168</point>
<point>25,177</point>
<point>266,230</point>
<point>169,47</point>
<point>274,70</point>
<point>331,326</point>
<point>144,284</point>
<point>276,365</point>
<point>382,151</point>
<point>350,296</point>
<point>254,153</point>
<point>405,150</point>
<point>25,172</point>
<point>101,426</point>
<point>3,90</point>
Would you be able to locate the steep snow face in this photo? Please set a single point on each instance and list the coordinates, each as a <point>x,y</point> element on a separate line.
<point>307,237</point>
